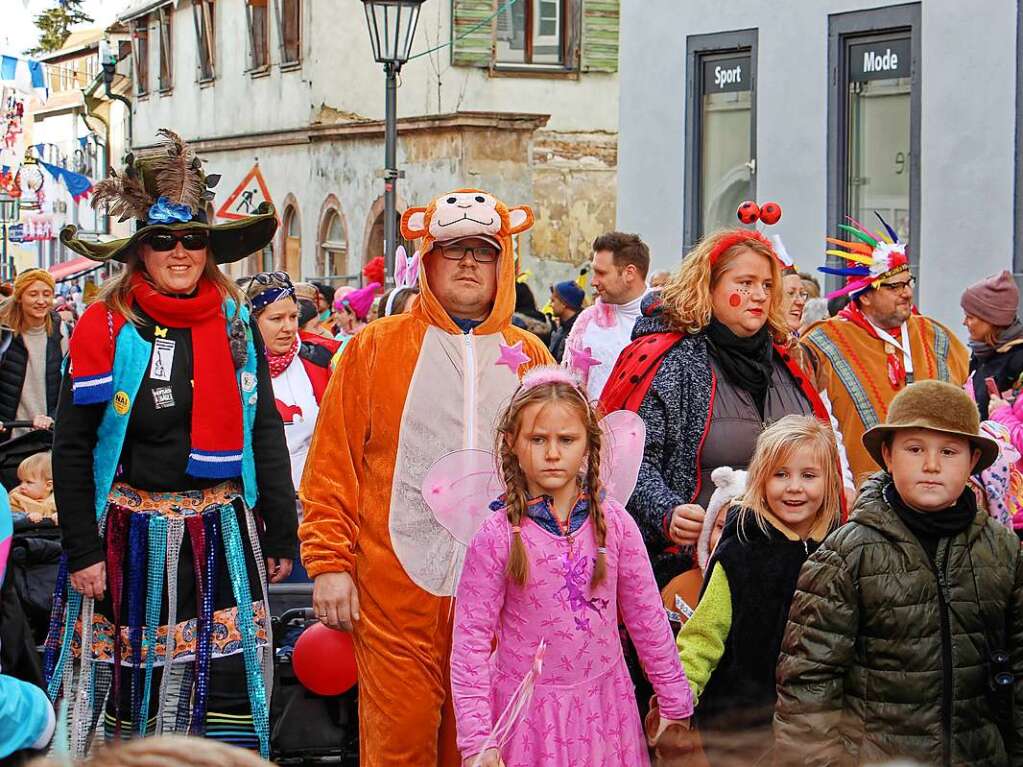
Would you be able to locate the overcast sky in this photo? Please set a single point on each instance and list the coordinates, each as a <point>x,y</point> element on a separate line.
<point>18,33</point>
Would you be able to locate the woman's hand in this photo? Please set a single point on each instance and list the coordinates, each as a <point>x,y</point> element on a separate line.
<point>336,600</point>
<point>91,581</point>
<point>42,422</point>
<point>489,758</point>
<point>278,569</point>
<point>686,524</point>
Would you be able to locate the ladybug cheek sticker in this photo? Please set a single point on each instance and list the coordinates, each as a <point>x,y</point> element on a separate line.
<point>734,300</point>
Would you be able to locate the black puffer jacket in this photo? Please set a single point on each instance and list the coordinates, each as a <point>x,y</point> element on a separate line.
<point>886,656</point>
<point>13,364</point>
<point>1005,366</point>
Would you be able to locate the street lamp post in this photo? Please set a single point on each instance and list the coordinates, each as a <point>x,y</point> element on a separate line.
<point>392,25</point>
<point>8,215</point>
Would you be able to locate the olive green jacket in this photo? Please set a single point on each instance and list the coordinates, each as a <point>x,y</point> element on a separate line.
<point>885,655</point>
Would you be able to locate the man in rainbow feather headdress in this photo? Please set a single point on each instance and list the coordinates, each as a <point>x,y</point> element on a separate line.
<point>878,344</point>
<point>410,389</point>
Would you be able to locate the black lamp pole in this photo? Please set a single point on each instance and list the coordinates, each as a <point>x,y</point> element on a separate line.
<point>392,25</point>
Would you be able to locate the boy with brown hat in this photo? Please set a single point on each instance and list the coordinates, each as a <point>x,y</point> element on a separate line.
<point>905,636</point>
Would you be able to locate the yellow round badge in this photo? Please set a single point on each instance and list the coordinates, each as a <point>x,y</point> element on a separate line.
<point>122,403</point>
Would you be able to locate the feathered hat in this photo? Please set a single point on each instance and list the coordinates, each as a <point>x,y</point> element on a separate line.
<point>169,191</point>
<point>788,266</point>
<point>871,257</point>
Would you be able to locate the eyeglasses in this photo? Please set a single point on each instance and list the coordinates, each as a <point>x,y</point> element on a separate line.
<point>898,287</point>
<point>796,293</point>
<point>161,242</point>
<point>483,254</point>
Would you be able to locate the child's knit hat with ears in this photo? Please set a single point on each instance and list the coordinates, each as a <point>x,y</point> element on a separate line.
<point>729,485</point>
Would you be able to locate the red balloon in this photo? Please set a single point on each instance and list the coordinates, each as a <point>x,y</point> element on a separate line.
<point>748,212</point>
<point>770,213</point>
<point>324,660</point>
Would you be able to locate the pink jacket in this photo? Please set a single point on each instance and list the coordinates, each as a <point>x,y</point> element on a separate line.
<point>583,709</point>
<point>1011,417</point>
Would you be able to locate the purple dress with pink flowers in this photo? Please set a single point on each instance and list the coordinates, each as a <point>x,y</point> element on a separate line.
<point>583,709</point>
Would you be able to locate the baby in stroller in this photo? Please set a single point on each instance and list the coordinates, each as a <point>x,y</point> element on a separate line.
<point>34,496</point>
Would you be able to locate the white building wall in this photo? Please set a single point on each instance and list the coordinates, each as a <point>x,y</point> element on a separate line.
<point>338,81</point>
<point>967,125</point>
<point>338,71</point>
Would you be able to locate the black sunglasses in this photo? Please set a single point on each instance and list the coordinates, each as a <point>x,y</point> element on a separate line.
<point>196,239</point>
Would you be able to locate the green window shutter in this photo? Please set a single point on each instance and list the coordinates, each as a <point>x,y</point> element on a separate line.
<point>600,36</point>
<point>472,32</point>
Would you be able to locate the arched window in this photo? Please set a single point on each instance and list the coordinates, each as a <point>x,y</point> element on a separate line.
<point>292,243</point>
<point>332,259</point>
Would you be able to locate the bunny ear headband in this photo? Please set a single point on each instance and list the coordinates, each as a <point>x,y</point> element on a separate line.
<point>406,275</point>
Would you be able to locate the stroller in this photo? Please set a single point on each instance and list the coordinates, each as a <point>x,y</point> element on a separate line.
<point>32,570</point>
<point>306,728</point>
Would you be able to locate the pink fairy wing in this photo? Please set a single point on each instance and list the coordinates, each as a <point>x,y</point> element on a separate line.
<point>624,437</point>
<point>459,488</point>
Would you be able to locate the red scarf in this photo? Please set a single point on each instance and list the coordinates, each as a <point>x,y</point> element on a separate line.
<point>894,363</point>
<point>217,435</point>
<point>280,362</point>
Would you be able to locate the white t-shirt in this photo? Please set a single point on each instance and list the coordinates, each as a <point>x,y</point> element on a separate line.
<point>296,403</point>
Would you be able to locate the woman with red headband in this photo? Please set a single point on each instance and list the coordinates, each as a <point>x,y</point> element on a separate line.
<point>708,368</point>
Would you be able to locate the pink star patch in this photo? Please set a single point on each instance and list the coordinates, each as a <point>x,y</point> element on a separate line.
<point>512,357</point>
<point>583,360</point>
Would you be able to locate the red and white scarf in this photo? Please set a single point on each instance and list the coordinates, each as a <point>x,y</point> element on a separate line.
<point>217,435</point>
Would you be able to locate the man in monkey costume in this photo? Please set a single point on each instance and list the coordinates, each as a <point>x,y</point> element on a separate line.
<point>409,389</point>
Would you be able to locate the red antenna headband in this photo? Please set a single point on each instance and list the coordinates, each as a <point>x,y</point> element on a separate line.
<point>749,213</point>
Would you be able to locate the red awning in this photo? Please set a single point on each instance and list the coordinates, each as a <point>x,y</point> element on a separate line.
<point>73,268</point>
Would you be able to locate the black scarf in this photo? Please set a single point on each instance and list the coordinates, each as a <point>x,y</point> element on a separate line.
<point>930,527</point>
<point>982,351</point>
<point>745,360</point>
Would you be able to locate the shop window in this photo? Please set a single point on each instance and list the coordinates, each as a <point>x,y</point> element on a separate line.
<point>140,42</point>
<point>289,30</point>
<point>874,125</point>
<point>166,53</point>
<point>332,258</point>
<point>205,37</point>
<point>720,130</point>
<point>531,32</point>
<point>257,15</point>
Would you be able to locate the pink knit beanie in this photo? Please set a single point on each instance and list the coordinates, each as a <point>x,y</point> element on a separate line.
<point>994,299</point>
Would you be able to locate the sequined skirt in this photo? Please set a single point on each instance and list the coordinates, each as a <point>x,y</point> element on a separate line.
<point>186,584</point>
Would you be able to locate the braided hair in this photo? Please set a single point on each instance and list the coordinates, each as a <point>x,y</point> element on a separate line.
<point>517,494</point>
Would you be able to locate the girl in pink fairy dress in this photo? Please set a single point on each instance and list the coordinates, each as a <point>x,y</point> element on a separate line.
<point>547,575</point>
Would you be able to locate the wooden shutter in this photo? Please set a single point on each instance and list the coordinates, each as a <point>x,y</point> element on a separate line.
<point>600,36</point>
<point>475,49</point>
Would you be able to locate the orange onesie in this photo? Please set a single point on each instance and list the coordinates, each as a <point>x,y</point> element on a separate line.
<point>409,389</point>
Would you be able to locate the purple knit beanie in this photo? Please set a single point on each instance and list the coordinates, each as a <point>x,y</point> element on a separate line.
<point>994,299</point>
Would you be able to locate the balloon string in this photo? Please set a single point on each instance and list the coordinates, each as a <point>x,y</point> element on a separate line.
<point>516,705</point>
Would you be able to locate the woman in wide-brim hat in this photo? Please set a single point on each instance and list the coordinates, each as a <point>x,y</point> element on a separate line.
<point>166,438</point>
